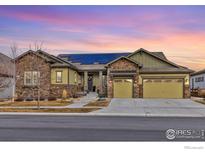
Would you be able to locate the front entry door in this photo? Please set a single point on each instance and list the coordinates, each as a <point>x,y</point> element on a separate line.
<point>90,83</point>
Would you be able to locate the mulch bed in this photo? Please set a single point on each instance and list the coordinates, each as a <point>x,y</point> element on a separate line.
<point>35,103</point>
<point>50,110</point>
<point>103,103</point>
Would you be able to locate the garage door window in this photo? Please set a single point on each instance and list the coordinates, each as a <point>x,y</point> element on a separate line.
<point>147,81</point>
<point>117,81</point>
<point>128,80</point>
<point>157,80</point>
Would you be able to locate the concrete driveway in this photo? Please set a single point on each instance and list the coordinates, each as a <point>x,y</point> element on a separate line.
<point>154,107</point>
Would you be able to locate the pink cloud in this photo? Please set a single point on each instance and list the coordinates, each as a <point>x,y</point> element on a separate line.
<point>54,18</point>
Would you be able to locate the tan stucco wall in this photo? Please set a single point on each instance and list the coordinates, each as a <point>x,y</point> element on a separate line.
<point>73,77</point>
<point>64,75</point>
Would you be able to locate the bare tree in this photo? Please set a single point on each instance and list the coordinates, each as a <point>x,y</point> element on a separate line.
<point>37,66</point>
<point>14,49</point>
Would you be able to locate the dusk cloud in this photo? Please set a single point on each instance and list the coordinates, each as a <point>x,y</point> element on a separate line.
<point>179,31</point>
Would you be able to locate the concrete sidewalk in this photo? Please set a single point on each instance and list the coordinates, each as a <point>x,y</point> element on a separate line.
<point>83,101</point>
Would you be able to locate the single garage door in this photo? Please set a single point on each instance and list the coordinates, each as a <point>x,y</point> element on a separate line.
<point>122,88</point>
<point>163,88</point>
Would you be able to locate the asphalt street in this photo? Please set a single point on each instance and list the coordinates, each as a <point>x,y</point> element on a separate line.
<point>94,128</point>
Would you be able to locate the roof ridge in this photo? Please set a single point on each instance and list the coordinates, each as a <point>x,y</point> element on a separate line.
<point>126,59</point>
<point>93,53</point>
<point>198,72</point>
<point>146,51</point>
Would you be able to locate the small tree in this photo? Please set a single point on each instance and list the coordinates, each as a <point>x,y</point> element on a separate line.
<point>64,95</point>
<point>14,49</point>
<point>37,67</point>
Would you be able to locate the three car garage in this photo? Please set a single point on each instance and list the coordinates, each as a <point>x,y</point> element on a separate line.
<point>152,88</point>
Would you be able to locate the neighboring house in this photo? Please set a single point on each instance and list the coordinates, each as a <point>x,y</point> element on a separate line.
<point>198,80</point>
<point>141,74</point>
<point>40,71</point>
<point>6,79</point>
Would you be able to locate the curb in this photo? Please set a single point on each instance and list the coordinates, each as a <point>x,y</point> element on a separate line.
<point>98,114</point>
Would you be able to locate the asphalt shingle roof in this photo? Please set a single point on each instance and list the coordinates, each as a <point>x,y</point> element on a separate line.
<point>198,72</point>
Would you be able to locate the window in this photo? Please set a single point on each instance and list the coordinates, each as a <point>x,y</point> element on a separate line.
<point>59,77</point>
<point>27,78</point>
<point>31,78</point>
<point>199,79</point>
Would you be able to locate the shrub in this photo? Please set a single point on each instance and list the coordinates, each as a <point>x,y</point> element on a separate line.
<point>65,94</point>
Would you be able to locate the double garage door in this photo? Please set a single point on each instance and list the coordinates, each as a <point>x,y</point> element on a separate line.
<point>163,88</point>
<point>152,88</point>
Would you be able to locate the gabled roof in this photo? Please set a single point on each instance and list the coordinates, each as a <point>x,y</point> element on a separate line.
<point>32,52</point>
<point>3,56</point>
<point>58,61</point>
<point>128,59</point>
<point>165,70</point>
<point>156,55</point>
<point>160,54</point>
<point>55,61</point>
<point>5,65</point>
<point>92,58</point>
<point>198,72</point>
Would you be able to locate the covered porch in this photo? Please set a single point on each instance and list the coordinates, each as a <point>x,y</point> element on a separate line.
<point>94,78</point>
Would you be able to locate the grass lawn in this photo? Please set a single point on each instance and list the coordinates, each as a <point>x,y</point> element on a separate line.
<point>50,110</point>
<point>35,103</point>
<point>96,103</point>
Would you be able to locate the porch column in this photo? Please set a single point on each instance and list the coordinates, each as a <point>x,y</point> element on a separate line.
<point>100,82</point>
<point>85,80</point>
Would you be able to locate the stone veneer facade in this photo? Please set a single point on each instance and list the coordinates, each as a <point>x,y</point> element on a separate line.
<point>123,66</point>
<point>31,62</point>
<point>187,93</point>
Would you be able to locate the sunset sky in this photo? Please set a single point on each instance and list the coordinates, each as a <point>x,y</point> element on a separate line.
<point>178,31</point>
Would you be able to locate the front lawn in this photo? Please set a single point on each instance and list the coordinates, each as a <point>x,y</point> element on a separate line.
<point>50,110</point>
<point>35,103</point>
